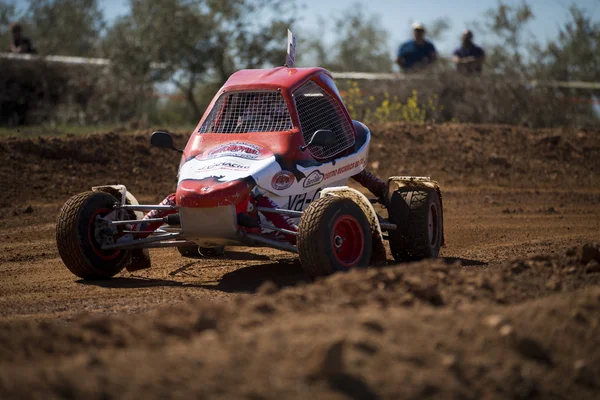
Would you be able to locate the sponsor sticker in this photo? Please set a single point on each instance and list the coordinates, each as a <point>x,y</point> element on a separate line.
<point>345,168</point>
<point>235,149</point>
<point>282,180</point>
<point>223,165</point>
<point>314,178</point>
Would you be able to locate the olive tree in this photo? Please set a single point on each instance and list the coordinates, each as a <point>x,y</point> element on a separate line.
<point>193,43</point>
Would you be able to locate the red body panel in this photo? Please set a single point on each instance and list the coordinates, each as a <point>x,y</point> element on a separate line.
<point>286,79</point>
<point>275,142</point>
<point>209,193</point>
<point>286,144</point>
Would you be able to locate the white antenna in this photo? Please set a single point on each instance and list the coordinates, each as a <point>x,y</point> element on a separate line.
<point>290,60</point>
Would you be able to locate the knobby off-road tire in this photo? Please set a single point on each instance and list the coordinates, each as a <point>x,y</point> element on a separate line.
<point>417,213</point>
<point>333,235</point>
<point>76,241</point>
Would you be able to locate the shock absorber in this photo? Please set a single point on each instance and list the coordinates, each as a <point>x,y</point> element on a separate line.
<point>371,182</point>
<point>149,227</point>
<point>278,220</point>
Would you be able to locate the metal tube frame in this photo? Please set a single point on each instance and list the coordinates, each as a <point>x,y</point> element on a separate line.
<point>386,226</point>
<point>145,207</point>
<point>159,230</point>
<point>253,239</point>
<point>136,221</point>
<point>168,239</point>
<point>274,228</point>
<point>168,243</point>
<point>141,242</point>
<point>279,211</point>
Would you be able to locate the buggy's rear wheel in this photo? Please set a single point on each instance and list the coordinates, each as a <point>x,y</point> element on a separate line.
<point>333,235</point>
<point>417,213</point>
<point>81,229</point>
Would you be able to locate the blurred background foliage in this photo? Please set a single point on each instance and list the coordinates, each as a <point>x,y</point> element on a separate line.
<point>192,46</point>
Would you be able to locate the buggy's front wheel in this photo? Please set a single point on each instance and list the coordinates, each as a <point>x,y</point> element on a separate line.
<point>333,235</point>
<point>81,229</point>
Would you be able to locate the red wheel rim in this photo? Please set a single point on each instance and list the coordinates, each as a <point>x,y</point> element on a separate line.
<point>92,237</point>
<point>347,241</point>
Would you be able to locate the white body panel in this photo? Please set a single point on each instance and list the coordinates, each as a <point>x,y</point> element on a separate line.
<point>239,160</point>
<point>229,166</point>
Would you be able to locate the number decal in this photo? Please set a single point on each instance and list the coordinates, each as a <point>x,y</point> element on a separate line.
<point>299,202</point>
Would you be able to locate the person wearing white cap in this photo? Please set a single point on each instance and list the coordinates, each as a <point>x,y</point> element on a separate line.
<point>417,53</point>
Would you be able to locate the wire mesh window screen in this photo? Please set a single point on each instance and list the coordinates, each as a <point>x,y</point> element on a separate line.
<point>318,110</point>
<point>245,112</point>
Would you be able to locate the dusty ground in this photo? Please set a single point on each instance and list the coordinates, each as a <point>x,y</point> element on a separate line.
<point>512,310</point>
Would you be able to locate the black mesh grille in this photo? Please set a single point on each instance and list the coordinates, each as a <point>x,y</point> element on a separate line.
<point>318,110</point>
<point>244,112</point>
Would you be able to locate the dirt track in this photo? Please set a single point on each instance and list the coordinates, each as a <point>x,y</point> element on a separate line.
<point>516,201</point>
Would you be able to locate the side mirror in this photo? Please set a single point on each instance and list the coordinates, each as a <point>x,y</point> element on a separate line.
<point>322,137</point>
<point>163,140</point>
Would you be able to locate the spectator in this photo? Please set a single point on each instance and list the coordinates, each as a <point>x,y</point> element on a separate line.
<point>418,53</point>
<point>468,57</point>
<point>18,43</point>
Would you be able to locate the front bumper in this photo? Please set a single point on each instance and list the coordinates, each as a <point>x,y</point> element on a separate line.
<point>209,226</point>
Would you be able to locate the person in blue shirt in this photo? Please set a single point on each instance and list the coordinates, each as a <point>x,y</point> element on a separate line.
<point>418,53</point>
<point>468,57</point>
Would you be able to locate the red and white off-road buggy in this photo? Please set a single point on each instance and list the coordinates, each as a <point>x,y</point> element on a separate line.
<point>267,165</point>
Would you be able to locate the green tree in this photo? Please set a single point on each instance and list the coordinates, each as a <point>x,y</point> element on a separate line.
<point>507,24</point>
<point>360,44</point>
<point>65,27</point>
<point>8,14</point>
<point>197,42</point>
<point>575,53</point>
<point>438,28</point>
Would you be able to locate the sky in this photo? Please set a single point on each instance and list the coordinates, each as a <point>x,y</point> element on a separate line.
<point>397,15</point>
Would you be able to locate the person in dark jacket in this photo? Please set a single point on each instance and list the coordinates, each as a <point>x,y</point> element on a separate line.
<point>468,57</point>
<point>19,43</point>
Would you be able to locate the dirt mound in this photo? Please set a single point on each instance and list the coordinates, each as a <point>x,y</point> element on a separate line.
<point>465,154</point>
<point>389,333</point>
<point>455,154</point>
<point>49,169</point>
